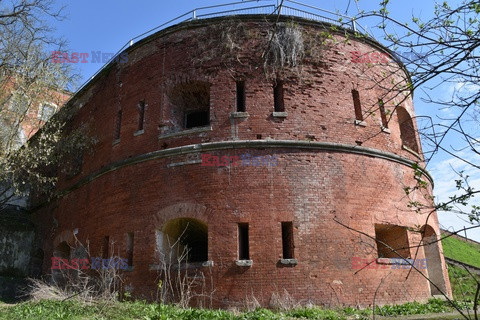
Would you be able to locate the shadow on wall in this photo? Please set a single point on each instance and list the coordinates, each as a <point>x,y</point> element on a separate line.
<point>18,257</point>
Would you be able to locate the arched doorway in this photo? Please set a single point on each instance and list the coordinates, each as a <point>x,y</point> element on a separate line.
<point>434,262</point>
<point>183,240</point>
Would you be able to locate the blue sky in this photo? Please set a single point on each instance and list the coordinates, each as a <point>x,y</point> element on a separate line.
<point>108,25</point>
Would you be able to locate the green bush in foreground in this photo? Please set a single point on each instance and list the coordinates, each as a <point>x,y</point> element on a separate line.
<point>433,306</point>
<point>149,311</point>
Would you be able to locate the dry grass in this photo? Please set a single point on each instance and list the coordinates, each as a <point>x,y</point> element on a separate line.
<point>177,283</point>
<point>283,302</point>
<point>251,303</point>
<point>89,285</point>
<point>285,49</point>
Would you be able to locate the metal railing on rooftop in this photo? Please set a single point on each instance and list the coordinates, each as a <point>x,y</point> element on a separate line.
<point>289,8</point>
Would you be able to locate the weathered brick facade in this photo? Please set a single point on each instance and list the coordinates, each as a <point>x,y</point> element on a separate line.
<point>329,167</point>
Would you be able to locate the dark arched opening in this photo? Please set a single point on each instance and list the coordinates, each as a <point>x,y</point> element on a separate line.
<point>189,238</point>
<point>407,129</point>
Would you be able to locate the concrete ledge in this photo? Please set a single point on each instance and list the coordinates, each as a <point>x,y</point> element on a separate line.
<point>282,114</point>
<point>246,144</point>
<point>186,132</point>
<point>289,262</point>
<point>404,147</point>
<point>208,263</point>
<point>183,266</point>
<point>139,132</point>
<point>244,263</point>
<point>360,123</point>
<point>386,130</point>
<point>239,115</point>
<point>178,164</point>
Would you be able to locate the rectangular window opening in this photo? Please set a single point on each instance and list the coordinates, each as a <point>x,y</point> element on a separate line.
<point>130,248</point>
<point>395,237</point>
<point>241,96</point>
<point>141,115</point>
<point>105,248</point>
<point>279,105</point>
<point>192,100</point>
<point>287,240</point>
<point>197,119</point>
<point>243,242</point>
<point>383,115</point>
<point>118,125</point>
<point>357,105</point>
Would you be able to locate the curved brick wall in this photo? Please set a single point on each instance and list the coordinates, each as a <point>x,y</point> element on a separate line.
<point>327,168</point>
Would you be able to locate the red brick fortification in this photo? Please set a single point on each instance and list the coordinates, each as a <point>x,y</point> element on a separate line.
<point>255,229</point>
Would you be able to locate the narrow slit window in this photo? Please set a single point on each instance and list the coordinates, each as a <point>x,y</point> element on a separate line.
<point>287,240</point>
<point>383,114</point>
<point>130,248</point>
<point>279,105</point>
<point>357,105</point>
<point>243,242</point>
<point>106,244</point>
<point>241,96</point>
<point>141,115</point>
<point>118,125</point>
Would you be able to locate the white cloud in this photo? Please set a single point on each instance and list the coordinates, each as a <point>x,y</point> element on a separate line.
<point>450,92</point>
<point>444,176</point>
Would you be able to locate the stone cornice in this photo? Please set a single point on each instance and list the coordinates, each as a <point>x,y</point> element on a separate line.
<point>245,144</point>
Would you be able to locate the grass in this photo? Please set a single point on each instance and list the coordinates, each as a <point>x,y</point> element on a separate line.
<point>433,306</point>
<point>462,251</point>
<point>74,310</point>
<point>463,285</point>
